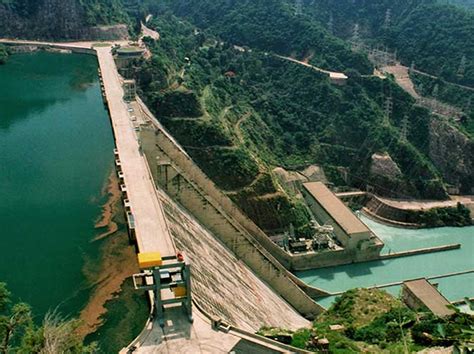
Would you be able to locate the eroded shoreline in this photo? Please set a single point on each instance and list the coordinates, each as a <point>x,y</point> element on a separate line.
<point>116,263</point>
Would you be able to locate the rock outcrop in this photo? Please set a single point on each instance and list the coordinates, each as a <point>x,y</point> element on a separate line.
<point>383,165</point>
<point>385,176</point>
<point>53,20</point>
<point>452,153</point>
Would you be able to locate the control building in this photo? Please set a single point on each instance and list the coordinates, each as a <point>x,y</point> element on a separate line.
<point>349,230</point>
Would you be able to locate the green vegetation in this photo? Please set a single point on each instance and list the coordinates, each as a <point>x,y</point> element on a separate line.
<point>19,334</point>
<point>63,19</point>
<point>357,308</point>
<point>457,96</point>
<point>372,321</point>
<point>433,35</point>
<point>240,113</point>
<point>270,25</point>
<point>436,217</point>
<point>3,54</point>
<point>104,12</point>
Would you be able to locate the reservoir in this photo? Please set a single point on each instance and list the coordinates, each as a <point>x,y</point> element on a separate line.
<point>342,278</point>
<point>55,157</point>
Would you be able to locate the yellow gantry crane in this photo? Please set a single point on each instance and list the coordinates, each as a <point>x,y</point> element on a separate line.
<point>170,280</point>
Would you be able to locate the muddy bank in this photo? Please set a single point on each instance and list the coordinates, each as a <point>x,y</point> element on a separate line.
<point>109,209</point>
<point>116,263</point>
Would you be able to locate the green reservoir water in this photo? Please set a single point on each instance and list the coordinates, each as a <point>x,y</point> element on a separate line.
<point>55,156</point>
<point>341,278</point>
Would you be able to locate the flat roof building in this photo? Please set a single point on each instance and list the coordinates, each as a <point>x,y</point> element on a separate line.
<point>421,293</point>
<point>329,209</point>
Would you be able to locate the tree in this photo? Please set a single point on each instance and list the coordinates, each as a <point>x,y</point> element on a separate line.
<point>19,333</point>
<point>14,319</point>
<point>3,54</point>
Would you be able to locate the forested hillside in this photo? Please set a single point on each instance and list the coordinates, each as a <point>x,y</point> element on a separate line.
<point>241,113</point>
<point>216,82</point>
<point>436,37</point>
<point>469,4</point>
<point>270,25</point>
<point>61,19</point>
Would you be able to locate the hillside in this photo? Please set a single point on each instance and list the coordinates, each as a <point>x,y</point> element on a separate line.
<point>432,35</point>
<point>469,4</point>
<point>372,321</point>
<point>241,113</point>
<point>63,19</point>
<point>270,25</point>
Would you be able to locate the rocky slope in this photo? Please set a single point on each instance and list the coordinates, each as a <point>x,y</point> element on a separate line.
<point>453,154</point>
<point>62,19</point>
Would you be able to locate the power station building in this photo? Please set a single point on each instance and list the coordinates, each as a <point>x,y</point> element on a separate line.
<point>328,209</point>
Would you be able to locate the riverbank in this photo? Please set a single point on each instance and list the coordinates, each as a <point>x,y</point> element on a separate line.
<point>116,263</point>
<point>458,211</point>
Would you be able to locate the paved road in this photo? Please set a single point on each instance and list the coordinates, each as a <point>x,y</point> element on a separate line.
<point>150,224</point>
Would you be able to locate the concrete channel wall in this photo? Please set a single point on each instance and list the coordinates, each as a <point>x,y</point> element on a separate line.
<point>388,214</point>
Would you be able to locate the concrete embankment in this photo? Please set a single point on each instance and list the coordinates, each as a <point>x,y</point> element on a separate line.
<point>223,286</point>
<point>385,213</point>
<point>420,251</point>
<point>343,257</point>
<point>406,214</point>
<point>441,276</point>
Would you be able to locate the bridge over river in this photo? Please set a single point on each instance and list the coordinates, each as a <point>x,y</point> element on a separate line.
<point>152,230</point>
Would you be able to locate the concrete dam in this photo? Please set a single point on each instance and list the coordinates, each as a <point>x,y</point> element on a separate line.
<point>237,284</point>
<point>224,290</point>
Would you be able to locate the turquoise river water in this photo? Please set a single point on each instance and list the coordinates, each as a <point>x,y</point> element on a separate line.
<point>341,278</point>
<point>55,156</point>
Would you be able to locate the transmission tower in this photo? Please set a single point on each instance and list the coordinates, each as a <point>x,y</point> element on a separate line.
<point>468,105</point>
<point>331,24</point>
<point>462,67</point>
<point>421,89</point>
<point>298,7</point>
<point>404,128</point>
<point>356,45</point>
<point>388,19</point>
<point>388,109</point>
<point>435,91</point>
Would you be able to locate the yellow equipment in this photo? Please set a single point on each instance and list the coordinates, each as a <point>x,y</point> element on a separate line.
<point>149,260</point>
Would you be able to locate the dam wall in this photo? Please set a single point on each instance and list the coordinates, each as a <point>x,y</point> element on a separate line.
<point>333,258</point>
<point>223,286</point>
<point>177,174</point>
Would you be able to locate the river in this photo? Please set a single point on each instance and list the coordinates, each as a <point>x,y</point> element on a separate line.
<point>56,156</point>
<point>341,278</point>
